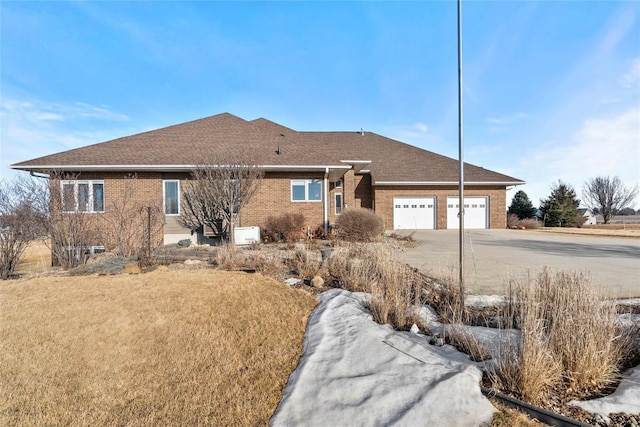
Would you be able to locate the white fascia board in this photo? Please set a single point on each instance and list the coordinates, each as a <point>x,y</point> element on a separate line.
<point>442,183</point>
<point>171,168</point>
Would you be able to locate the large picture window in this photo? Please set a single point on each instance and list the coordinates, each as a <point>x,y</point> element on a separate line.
<point>82,196</point>
<point>171,197</point>
<point>306,190</point>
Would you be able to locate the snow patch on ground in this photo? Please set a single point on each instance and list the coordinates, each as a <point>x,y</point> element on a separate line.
<point>357,372</point>
<point>626,398</point>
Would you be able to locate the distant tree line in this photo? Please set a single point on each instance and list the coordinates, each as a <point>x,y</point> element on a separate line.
<point>603,195</point>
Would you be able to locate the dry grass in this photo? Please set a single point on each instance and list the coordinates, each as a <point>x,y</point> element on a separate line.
<point>510,417</point>
<point>569,343</point>
<point>306,263</point>
<point>465,342</point>
<point>36,259</point>
<point>395,289</point>
<point>164,348</point>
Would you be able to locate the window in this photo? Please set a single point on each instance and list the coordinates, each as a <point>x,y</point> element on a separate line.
<point>82,196</point>
<point>306,190</point>
<point>172,197</point>
<point>338,199</point>
<point>339,183</point>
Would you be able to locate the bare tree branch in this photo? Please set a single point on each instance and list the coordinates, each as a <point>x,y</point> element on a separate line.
<point>607,195</point>
<point>218,191</point>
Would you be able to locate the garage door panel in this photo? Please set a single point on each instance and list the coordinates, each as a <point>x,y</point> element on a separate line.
<point>476,212</point>
<point>413,213</point>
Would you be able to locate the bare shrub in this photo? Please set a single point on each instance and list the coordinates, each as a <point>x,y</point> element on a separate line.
<point>133,226</point>
<point>286,227</point>
<point>359,225</point>
<point>305,262</point>
<point>20,221</point>
<point>530,223</point>
<point>219,189</point>
<point>512,221</point>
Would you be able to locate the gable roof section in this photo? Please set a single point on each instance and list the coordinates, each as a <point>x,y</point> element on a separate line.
<point>275,147</point>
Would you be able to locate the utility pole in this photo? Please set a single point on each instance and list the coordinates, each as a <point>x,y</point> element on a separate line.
<point>461,161</point>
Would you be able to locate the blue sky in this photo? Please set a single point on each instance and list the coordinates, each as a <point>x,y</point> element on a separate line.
<point>551,89</point>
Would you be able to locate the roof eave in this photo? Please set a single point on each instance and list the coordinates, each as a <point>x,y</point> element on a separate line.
<point>443,183</point>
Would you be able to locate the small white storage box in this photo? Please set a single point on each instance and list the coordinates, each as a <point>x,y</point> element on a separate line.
<point>246,235</point>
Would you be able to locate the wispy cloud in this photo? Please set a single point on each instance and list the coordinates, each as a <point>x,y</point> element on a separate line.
<point>631,79</point>
<point>600,147</point>
<point>415,130</point>
<point>33,128</point>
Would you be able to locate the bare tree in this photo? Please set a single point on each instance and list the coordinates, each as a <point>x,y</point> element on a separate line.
<point>132,223</point>
<point>72,230</point>
<point>217,193</point>
<point>21,221</point>
<point>607,195</point>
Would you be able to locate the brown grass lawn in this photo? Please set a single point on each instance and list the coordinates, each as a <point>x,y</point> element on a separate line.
<point>198,347</point>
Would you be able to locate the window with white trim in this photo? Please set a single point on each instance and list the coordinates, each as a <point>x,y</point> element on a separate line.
<point>171,197</point>
<point>306,190</point>
<point>82,195</point>
<point>339,183</point>
<point>338,204</point>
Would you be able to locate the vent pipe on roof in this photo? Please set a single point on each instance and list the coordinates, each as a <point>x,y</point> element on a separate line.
<point>278,151</point>
<point>361,132</point>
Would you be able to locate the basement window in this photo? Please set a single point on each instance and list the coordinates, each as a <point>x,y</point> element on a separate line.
<point>306,190</point>
<point>82,196</point>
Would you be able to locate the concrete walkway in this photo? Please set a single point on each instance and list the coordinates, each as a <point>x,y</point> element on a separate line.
<point>493,257</point>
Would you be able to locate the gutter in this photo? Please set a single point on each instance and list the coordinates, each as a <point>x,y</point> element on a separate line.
<point>454,183</point>
<point>325,204</point>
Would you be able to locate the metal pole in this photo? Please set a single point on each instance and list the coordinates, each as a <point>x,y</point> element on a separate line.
<point>461,161</point>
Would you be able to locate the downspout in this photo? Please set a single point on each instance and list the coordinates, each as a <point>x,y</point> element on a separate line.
<point>326,201</point>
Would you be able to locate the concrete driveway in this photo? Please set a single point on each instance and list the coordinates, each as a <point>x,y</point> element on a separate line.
<point>493,257</point>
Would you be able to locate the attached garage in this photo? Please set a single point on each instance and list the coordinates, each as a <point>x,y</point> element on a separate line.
<point>414,213</point>
<point>475,212</point>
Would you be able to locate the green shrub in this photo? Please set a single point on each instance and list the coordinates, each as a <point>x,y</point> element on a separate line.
<point>283,228</point>
<point>359,225</point>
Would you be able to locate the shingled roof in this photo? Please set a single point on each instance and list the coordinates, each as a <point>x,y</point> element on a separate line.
<point>183,146</point>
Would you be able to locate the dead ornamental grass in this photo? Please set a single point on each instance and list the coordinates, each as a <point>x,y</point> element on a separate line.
<point>164,348</point>
<point>569,345</point>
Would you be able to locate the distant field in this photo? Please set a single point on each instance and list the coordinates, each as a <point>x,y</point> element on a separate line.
<point>197,347</point>
<point>613,230</point>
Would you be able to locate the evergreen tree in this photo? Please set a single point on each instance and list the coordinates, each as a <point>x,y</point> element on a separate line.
<point>522,206</point>
<point>560,209</point>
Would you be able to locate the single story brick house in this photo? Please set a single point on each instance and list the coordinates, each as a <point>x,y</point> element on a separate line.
<point>318,174</point>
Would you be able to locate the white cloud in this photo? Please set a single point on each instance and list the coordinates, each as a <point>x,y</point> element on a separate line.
<point>600,147</point>
<point>631,78</point>
<point>35,128</point>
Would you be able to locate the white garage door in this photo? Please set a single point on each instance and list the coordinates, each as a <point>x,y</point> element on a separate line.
<point>475,212</point>
<point>414,213</point>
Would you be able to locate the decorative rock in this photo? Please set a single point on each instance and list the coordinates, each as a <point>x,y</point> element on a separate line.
<point>292,281</point>
<point>414,329</point>
<point>317,282</point>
